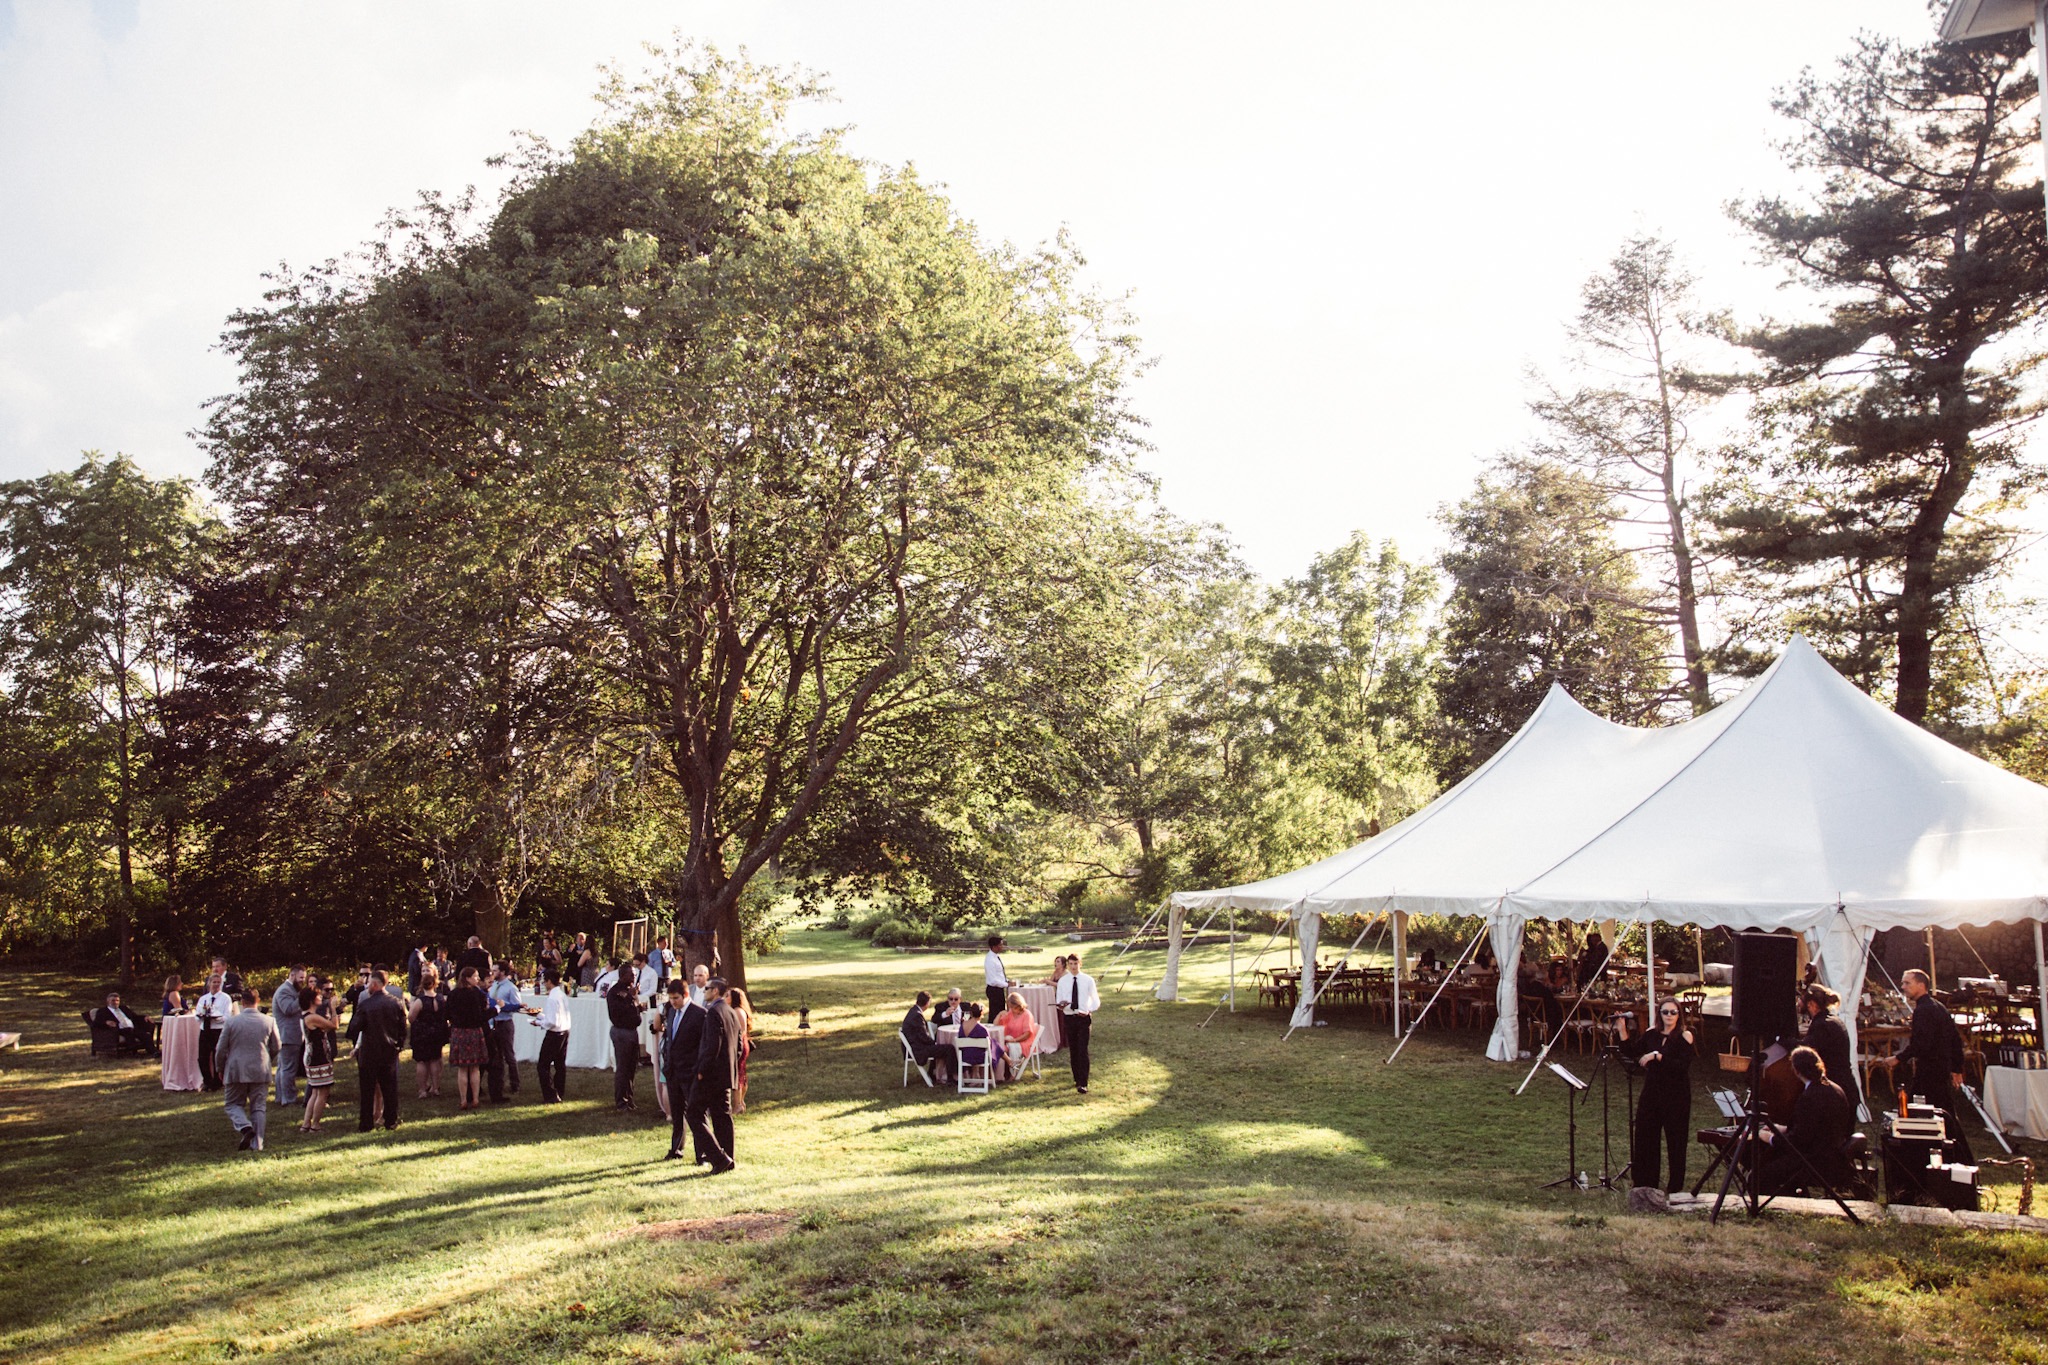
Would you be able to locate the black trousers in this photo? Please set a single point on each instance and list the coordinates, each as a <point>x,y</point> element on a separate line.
<point>679,1121</point>
<point>625,1063</point>
<point>1077,1045</point>
<point>504,1058</point>
<point>554,1065</point>
<point>209,1074</point>
<point>710,1117</point>
<point>373,1078</point>
<point>998,1001</point>
<point>1667,1117</point>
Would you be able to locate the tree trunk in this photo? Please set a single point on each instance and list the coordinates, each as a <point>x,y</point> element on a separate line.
<point>492,911</point>
<point>124,798</point>
<point>1917,584</point>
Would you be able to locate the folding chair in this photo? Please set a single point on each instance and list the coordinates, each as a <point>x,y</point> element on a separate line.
<point>910,1062</point>
<point>1029,1062</point>
<point>977,1083</point>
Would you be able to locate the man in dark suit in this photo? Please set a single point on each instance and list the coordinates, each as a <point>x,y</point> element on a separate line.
<point>377,1028</point>
<point>923,1041</point>
<point>1821,1123</point>
<point>1825,1035</point>
<point>1935,1051</point>
<point>130,1030</point>
<point>718,1066</point>
<point>682,1037</point>
<point>474,955</point>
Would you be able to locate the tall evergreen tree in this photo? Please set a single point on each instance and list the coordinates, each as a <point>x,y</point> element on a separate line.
<point>1897,412</point>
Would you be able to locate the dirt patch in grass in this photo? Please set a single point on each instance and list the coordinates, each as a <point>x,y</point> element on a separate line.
<point>736,1227</point>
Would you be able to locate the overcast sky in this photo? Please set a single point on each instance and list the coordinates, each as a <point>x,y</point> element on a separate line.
<point>1347,230</point>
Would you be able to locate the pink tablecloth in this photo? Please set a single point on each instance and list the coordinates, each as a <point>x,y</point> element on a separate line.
<point>181,1052</point>
<point>1039,999</point>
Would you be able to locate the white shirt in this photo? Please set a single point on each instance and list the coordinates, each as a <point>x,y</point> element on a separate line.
<point>649,982</point>
<point>992,969</point>
<point>121,1019</point>
<point>605,981</point>
<point>554,1012</point>
<point>214,1005</point>
<point>1077,993</point>
<point>696,995</point>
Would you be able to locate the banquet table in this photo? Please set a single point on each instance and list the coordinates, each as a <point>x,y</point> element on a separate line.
<point>590,1031</point>
<point>2017,1100</point>
<point>180,1045</point>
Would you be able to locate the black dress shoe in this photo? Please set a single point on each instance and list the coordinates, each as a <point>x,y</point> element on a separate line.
<point>248,1140</point>
<point>672,1155</point>
<point>721,1167</point>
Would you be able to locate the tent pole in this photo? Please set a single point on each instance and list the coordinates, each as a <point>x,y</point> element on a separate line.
<point>1449,976</point>
<point>1699,945</point>
<point>1233,959</point>
<point>2040,990</point>
<point>1400,964</point>
<point>1543,1053</point>
<point>1317,993</point>
<point>1271,939</point>
<point>1650,964</point>
<point>1931,977</point>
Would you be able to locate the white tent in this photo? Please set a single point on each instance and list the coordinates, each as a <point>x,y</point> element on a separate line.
<point>1800,804</point>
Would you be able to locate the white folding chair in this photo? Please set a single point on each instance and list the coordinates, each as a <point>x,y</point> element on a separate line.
<point>910,1062</point>
<point>971,1077</point>
<point>1029,1062</point>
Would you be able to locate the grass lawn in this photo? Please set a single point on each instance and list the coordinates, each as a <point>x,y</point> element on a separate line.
<point>1220,1195</point>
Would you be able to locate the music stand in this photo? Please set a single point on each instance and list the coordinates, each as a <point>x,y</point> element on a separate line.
<point>1573,1087</point>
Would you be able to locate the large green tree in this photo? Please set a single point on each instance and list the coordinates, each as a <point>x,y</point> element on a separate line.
<point>744,459</point>
<point>96,564</point>
<point>1541,594</point>
<point>1889,449</point>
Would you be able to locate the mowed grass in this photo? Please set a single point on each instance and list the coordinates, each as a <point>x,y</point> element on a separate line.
<point>1222,1195</point>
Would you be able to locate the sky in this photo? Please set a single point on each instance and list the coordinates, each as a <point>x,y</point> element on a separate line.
<point>1348,231</point>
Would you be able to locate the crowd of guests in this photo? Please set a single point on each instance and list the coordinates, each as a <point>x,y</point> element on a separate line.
<point>462,1014</point>
<point>1003,1036</point>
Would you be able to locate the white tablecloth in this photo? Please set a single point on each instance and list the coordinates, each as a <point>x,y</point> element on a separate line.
<point>590,1032</point>
<point>2017,1100</point>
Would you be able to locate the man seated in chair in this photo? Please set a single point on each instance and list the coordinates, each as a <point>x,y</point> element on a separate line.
<point>924,1043</point>
<point>131,1033</point>
<point>1822,1123</point>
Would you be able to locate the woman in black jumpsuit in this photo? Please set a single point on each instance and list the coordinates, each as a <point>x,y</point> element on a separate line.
<point>1666,1103</point>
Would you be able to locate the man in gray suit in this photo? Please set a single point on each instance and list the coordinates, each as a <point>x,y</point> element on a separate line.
<point>288,1011</point>
<point>248,1045</point>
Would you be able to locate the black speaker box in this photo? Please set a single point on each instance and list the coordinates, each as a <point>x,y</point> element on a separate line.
<point>1766,985</point>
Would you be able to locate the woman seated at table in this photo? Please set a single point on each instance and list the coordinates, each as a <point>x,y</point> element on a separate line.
<point>1019,1030</point>
<point>1059,971</point>
<point>973,1031</point>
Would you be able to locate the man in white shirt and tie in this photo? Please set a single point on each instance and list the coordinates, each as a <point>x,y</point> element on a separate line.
<point>213,1010</point>
<point>995,976</point>
<point>1077,1000</point>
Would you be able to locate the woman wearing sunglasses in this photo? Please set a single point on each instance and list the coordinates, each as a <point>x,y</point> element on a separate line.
<point>1665,1055</point>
